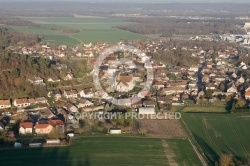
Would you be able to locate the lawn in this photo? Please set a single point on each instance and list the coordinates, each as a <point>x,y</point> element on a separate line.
<point>219,133</point>
<point>104,151</point>
<point>91,30</point>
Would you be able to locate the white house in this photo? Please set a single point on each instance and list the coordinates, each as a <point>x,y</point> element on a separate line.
<point>124,102</point>
<point>149,103</point>
<point>194,68</point>
<point>84,103</point>
<point>69,76</point>
<point>70,94</point>
<point>211,86</point>
<point>23,102</point>
<point>5,104</point>
<point>232,88</point>
<point>86,93</point>
<point>56,94</point>
<point>43,128</point>
<point>36,81</point>
<point>41,100</point>
<point>70,107</point>
<point>124,83</point>
<point>54,79</point>
<point>25,128</point>
<point>241,80</point>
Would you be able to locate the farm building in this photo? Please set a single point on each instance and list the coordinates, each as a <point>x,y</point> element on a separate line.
<point>53,141</point>
<point>35,144</point>
<point>70,135</point>
<point>146,111</point>
<point>115,131</point>
<point>17,145</point>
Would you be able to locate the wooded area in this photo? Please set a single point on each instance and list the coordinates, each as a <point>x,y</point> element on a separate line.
<point>167,26</point>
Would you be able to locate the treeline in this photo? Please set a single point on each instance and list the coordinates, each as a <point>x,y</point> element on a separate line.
<point>16,69</point>
<point>17,22</point>
<point>71,31</point>
<point>167,27</point>
<point>176,57</point>
<point>205,45</point>
<point>12,38</point>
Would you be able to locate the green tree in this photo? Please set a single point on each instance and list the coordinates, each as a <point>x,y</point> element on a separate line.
<point>226,160</point>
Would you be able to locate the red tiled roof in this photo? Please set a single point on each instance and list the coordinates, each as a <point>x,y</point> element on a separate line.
<point>25,125</point>
<point>41,126</point>
<point>31,100</point>
<point>5,102</point>
<point>111,58</point>
<point>21,101</point>
<point>145,93</point>
<point>125,79</point>
<point>55,123</point>
<point>247,94</point>
<point>137,103</point>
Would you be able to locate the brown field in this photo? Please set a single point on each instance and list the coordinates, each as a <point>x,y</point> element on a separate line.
<point>160,128</point>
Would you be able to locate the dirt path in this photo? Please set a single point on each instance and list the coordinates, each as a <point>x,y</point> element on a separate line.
<point>169,153</point>
<point>72,37</point>
<point>198,153</point>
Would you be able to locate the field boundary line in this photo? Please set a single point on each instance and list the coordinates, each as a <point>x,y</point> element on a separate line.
<point>198,150</point>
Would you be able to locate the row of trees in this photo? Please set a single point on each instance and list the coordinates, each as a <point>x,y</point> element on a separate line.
<point>176,57</point>
<point>168,27</point>
<point>13,38</point>
<point>17,22</point>
<point>228,160</point>
<point>14,71</point>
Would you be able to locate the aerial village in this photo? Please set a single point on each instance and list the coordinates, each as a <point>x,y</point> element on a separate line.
<point>213,81</point>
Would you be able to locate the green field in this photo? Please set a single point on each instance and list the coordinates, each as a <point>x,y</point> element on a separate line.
<point>92,30</point>
<point>220,133</point>
<point>204,109</point>
<point>184,153</point>
<point>105,151</point>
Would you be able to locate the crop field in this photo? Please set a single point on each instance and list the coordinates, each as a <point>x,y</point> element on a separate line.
<point>90,30</point>
<point>218,133</point>
<point>106,151</point>
<point>203,109</point>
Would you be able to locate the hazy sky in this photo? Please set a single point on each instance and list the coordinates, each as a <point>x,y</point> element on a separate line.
<point>214,1</point>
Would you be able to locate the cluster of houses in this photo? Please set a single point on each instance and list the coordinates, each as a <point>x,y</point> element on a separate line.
<point>87,50</point>
<point>55,79</point>
<point>176,85</point>
<point>22,102</point>
<point>42,128</point>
